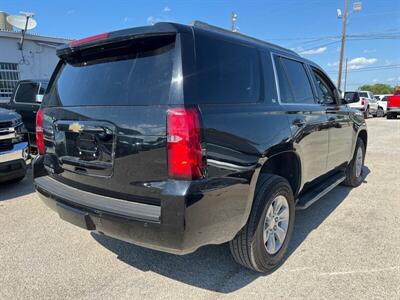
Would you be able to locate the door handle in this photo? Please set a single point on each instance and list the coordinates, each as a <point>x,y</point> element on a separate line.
<point>299,122</point>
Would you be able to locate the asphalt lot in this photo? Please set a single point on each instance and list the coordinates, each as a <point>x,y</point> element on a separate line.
<point>347,245</point>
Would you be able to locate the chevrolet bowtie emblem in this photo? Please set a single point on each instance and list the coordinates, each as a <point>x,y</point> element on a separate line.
<point>75,127</point>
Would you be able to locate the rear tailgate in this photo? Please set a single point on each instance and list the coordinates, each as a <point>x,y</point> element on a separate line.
<point>394,101</point>
<point>105,117</point>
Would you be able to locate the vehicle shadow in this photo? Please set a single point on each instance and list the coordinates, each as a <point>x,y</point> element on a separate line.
<point>212,267</point>
<point>11,190</point>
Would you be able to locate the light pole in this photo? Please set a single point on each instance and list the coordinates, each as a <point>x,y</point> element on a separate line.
<point>234,17</point>
<point>357,6</point>
<point>345,77</point>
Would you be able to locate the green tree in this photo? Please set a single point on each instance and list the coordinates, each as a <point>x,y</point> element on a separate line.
<point>378,88</point>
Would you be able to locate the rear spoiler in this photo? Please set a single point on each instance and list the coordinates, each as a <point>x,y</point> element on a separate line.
<point>121,35</point>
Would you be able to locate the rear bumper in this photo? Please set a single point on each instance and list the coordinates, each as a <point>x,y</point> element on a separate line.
<point>131,210</point>
<point>357,107</point>
<point>12,162</point>
<point>393,109</point>
<point>187,218</point>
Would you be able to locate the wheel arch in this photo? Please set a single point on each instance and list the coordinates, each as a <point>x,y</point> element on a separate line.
<point>363,135</point>
<point>271,165</point>
<point>287,165</point>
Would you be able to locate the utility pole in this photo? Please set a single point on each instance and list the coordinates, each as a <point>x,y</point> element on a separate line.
<point>345,77</point>
<point>343,42</point>
<point>234,17</point>
<point>357,6</point>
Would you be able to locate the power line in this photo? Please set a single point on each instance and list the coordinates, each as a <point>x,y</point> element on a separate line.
<point>349,39</point>
<point>366,69</point>
<point>390,31</point>
<point>353,37</point>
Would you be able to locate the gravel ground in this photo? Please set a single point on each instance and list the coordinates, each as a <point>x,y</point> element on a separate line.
<point>347,245</point>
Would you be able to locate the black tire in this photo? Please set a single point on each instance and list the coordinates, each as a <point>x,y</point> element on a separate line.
<point>351,177</point>
<point>248,248</point>
<point>380,112</point>
<point>389,116</point>
<point>366,113</point>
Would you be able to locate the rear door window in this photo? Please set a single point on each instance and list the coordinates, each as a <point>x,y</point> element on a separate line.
<point>285,90</point>
<point>26,92</point>
<point>294,83</point>
<point>133,73</point>
<point>226,72</point>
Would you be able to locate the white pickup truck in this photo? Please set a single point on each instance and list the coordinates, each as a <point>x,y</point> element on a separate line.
<point>365,102</point>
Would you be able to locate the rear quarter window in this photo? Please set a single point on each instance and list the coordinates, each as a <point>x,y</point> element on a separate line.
<point>351,97</point>
<point>226,72</point>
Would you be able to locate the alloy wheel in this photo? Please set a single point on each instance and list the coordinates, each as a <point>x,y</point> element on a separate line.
<point>276,224</point>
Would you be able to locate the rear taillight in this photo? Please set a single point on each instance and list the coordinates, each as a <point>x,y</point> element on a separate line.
<point>362,101</point>
<point>39,132</point>
<point>185,158</point>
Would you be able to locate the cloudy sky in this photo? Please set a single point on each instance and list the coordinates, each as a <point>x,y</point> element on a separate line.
<point>310,27</point>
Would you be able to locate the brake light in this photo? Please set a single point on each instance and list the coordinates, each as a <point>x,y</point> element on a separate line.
<point>39,132</point>
<point>88,39</point>
<point>363,101</point>
<point>185,158</point>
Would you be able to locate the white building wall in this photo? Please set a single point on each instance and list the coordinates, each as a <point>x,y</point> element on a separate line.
<point>40,59</point>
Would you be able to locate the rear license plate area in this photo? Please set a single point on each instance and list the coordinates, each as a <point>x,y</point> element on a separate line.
<point>85,147</point>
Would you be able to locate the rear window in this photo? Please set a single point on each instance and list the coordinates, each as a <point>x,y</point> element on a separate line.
<point>351,97</point>
<point>365,95</point>
<point>137,72</point>
<point>226,72</point>
<point>26,92</point>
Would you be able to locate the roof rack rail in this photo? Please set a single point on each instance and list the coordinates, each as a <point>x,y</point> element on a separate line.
<point>203,25</point>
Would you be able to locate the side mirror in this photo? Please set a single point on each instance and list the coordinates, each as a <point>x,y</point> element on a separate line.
<point>39,98</point>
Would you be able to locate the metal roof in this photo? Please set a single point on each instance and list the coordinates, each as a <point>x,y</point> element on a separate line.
<point>34,37</point>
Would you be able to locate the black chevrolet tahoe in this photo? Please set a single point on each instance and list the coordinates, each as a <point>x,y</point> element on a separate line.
<point>173,137</point>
